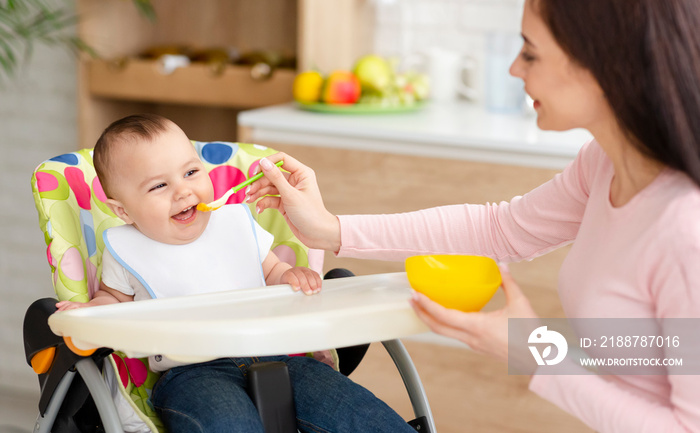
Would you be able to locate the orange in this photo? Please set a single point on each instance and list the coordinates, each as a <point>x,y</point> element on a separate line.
<point>307,86</point>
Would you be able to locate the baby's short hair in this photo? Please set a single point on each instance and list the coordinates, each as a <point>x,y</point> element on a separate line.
<point>128,129</point>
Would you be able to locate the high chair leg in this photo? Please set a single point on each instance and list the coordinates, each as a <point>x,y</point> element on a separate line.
<point>409,374</point>
<point>45,422</point>
<point>100,394</point>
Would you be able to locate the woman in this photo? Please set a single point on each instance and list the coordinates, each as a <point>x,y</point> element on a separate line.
<point>627,71</point>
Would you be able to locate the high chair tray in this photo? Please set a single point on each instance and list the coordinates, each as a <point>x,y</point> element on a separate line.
<point>255,322</point>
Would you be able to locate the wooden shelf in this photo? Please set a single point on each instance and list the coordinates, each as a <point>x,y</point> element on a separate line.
<point>318,33</point>
<point>197,84</point>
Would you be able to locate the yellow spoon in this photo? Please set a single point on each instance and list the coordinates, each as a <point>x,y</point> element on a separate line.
<point>204,207</point>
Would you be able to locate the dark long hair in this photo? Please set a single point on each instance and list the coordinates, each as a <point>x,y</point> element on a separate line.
<point>645,55</point>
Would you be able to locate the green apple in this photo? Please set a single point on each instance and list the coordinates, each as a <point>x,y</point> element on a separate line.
<point>374,72</point>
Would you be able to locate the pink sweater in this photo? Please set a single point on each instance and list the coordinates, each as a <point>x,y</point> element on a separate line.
<point>641,260</point>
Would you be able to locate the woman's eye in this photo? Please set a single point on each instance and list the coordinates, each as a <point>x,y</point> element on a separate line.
<point>160,185</point>
<point>527,56</point>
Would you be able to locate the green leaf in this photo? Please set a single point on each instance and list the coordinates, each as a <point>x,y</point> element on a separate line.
<point>24,23</point>
<point>146,9</point>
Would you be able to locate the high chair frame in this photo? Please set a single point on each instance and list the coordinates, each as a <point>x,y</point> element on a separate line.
<point>57,360</point>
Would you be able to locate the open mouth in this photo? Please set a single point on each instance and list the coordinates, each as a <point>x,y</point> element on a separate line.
<point>186,215</point>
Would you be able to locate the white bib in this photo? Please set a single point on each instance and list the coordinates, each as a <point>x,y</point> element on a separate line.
<point>227,256</point>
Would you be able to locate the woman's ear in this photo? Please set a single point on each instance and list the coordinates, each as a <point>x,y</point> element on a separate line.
<point>118,208</point>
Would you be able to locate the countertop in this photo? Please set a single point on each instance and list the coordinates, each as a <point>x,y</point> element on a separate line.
<point>457,130</point>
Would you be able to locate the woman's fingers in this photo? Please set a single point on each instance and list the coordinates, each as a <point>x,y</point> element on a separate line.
<point>299,201</point>
<point>432,308</point>
<point>261,191</point>
<point>264,182</point>
<point>291,164</point>
<point>433,322</point>
<point>517,304</point>
<point>483,332</point>
<point>275,176</point>
<point>277,181</point>
<point>269,202</point>
<point>444,321</point>
<point>510,287</point>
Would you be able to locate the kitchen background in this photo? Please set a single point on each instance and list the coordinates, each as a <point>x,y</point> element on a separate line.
<point>38,117</point>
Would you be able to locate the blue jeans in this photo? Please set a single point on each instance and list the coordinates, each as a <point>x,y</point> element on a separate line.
<point>211,397</point>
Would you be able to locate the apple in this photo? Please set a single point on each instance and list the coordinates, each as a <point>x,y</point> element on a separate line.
<point>374,72</point>
<point>341,87</point>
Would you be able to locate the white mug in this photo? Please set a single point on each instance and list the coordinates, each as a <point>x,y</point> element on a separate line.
<point>451,74</point>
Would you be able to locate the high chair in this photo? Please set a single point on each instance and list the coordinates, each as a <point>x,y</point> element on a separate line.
<point>72,215</point>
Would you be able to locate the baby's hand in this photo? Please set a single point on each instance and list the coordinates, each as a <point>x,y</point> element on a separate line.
<point>302,278</point>
<point>68,305</point>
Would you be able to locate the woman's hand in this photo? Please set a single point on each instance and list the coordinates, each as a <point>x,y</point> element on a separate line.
<point>296,195</point>
<point>484,332</point>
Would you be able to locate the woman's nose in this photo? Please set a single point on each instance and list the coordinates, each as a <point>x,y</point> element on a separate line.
<point>516,68</point>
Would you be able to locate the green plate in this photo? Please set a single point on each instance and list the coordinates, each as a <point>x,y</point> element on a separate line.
<point>359,108</point>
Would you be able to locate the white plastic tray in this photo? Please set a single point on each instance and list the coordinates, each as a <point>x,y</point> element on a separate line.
<point>255,322</point>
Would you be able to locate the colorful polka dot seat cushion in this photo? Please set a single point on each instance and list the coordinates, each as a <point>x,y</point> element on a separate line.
<point>73,215</point>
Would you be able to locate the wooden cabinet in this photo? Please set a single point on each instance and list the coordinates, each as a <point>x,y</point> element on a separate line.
<point>318,33</point>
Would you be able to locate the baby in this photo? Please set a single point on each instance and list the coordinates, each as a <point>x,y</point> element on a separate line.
<point>154,179</point>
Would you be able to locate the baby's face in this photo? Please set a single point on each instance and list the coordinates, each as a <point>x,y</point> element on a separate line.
<point>157,186</point>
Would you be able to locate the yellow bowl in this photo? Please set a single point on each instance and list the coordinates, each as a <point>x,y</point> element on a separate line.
<point>463,283</point>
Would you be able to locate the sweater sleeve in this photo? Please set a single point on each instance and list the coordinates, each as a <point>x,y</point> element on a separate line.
<point>526,227</point>
<point>673,279</point>
<point>607,407</point>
